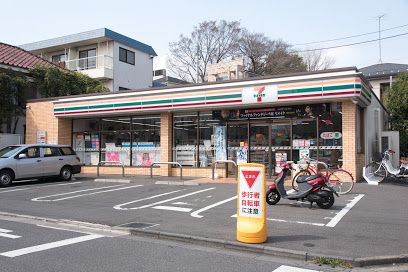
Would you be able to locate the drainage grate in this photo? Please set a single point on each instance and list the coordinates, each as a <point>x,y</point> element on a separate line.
<point>137,225</point>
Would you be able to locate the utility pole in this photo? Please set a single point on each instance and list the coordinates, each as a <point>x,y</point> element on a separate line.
<point>379,35</point>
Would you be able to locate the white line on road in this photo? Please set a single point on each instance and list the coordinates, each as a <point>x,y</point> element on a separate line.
<point>5,230</point>
<point>172,208</point>
<point>295,222</point>
<point>11,236</point>
<point>119,207</point>
<point>285,268</point>
<point>164,201</point>
<point>34,187</point>
<point>196,214</point>
<point>344,211</point>
<point>28,250</point>
<point>6,233</point>
<point>71,193</point>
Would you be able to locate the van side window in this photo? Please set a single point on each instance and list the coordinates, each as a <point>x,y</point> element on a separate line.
<point>51,152</point>
<point>66,151</point>
<point>31,152</point>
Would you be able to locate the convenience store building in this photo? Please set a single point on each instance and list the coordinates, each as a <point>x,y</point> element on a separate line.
<point>331,115</point>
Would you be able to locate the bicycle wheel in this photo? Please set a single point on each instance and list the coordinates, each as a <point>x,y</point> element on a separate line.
<point>300,173</point>
<point>341,180</point>
<point>379,171</point>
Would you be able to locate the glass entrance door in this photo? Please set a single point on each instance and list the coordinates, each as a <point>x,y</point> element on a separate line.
<point>259,146</point>
<point>280,145</point>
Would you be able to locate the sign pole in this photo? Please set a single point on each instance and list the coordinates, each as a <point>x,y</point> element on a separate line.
<point>251,208</point>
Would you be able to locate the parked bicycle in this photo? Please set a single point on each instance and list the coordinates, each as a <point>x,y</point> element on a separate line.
<point>384,169</point>
<point>340,179</point>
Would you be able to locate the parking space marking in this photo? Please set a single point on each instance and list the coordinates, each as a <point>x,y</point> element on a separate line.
<point>34,187</point>
<point>196,214</point>
<point>32,249</point>
<point>296,222</point>
<point>119,207</point>
<point>6,234</point>
<point>285,268</point>
<point>172,208</point>
<point>75,196</point>
<point>336,219</point>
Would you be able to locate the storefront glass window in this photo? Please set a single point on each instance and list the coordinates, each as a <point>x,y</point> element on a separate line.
<point>115,144</point>
<point>238,142</point>
<point>213,141</point>
<point>86,140</point>
<point>304,141</point>
<point>146,140</point>
<point>331,136</point>
<point>185,138</point>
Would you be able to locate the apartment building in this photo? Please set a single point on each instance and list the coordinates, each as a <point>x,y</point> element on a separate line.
<point>120,62</point>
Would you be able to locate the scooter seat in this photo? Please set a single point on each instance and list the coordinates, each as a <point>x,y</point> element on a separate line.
<point>305,178</point>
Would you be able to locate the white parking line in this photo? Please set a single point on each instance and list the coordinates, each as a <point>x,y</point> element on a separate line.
<point>119,207</point>
<point>344,211</point>
<point>159,202</point>
<point>28,250</point>
<point>196,214</point>
<point>172,208</point>
<point>79,191</point>
<point>75,196</point>
<point>295,222</point>
<point>6,233</point>
<point>34,187</point>
<point>285,268</point>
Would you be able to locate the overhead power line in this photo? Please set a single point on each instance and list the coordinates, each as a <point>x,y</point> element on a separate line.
<point>353,36</point>
<point>351,44</point>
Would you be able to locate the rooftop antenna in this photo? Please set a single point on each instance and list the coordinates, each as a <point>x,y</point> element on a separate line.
<point>379,34</point>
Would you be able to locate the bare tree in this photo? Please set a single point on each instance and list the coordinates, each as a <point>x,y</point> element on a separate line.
<point>266,56</point>
<point>210,42</point>
<point>316,60</point>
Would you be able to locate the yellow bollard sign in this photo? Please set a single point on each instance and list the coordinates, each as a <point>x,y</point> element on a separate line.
<point>251,213</point>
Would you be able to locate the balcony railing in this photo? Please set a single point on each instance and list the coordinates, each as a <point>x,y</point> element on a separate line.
<point>102,61</point>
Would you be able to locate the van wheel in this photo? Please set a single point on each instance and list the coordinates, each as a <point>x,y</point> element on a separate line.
<point>66,173</point>
<point>6,178</point>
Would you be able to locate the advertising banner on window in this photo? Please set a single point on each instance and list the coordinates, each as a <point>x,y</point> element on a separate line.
<point>220,142</point>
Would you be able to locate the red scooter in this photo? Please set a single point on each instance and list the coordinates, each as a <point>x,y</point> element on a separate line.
<point>311,188</point>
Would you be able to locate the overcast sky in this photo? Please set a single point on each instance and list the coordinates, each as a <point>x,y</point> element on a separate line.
<point>159,22</point>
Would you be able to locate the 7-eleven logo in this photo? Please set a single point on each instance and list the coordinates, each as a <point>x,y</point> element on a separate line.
<point>250,176</point>
<point>259,93</point>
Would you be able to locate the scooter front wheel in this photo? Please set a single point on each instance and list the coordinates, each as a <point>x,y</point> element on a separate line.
<point>272,196</point>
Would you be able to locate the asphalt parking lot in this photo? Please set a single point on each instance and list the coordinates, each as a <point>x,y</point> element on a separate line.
<point>370,221</point>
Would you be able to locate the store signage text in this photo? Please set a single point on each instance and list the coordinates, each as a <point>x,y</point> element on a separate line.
<point>330,135</point>
<point>260,94</point>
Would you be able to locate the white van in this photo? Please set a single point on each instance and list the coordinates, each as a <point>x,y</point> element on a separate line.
<point>37,161</point>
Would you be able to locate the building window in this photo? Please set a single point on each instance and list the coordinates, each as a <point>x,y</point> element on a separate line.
<point>161,72</point>
<point>86,140</point>
<point>59,58</point>
<point>146,140</point>
<point>128,140</point>
<point>331,136</point>
<point>87,59</point>
<point>126,56</point>
<point>384,89</point>
<point>185,138</point>
<point>361,128</point>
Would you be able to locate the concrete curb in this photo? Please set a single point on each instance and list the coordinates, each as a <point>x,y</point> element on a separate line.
<point>205,241</point>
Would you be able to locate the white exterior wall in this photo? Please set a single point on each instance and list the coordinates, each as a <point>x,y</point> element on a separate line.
<point>130,76</point>
<point>370,128</point>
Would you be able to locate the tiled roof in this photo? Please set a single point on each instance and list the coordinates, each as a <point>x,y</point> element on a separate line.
<point>14,56</point>
<point>383,70</point>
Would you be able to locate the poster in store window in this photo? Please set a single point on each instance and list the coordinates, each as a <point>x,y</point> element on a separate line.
<point>242,155</point>
<point>220,143</point>
<point>280,158</point>
<point>304,154</point>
